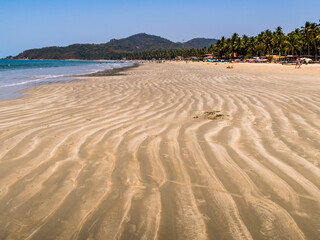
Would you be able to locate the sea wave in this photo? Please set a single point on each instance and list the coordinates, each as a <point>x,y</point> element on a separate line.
<point>31,81</point>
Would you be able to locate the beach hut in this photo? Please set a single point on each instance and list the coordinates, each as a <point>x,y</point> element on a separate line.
<point>277,58</point>
<point>291,58</point>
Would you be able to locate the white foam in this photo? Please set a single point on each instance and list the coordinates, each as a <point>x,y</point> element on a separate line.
<point>30,81</point>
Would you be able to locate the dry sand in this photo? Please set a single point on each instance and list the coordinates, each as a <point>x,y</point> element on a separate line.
<point>135,156</point>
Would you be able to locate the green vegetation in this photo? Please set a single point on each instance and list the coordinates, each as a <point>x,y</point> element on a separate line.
<point>303,41</point>
<point>300,42</point>
<point>169,54</point>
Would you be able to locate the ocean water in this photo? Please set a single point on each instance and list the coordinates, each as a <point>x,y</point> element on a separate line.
<point>16,75</point>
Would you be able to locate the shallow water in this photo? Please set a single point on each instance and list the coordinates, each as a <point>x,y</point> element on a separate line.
<point>16,75</point>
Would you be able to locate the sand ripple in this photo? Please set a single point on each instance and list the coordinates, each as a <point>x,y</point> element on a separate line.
<point>123,157</point>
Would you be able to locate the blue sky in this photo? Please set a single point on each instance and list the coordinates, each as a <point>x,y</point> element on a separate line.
<point>26,24</point>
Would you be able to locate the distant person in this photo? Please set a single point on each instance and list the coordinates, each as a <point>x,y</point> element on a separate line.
<point>298,63</point>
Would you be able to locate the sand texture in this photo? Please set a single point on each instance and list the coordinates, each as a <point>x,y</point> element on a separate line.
<point>165,151</point>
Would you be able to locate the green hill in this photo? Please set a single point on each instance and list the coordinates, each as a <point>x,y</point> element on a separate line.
<point>198,43</point>
<point>115,49</point>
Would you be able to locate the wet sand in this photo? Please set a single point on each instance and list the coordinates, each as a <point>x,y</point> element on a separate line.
<point>165,151</point>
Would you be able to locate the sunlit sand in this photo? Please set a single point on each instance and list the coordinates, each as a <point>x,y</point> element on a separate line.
<point>165,151</point>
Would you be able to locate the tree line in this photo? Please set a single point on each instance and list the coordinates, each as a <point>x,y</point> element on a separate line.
<point>303,41</point>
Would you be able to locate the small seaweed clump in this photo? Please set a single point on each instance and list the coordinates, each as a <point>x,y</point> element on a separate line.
<point>212,115</point>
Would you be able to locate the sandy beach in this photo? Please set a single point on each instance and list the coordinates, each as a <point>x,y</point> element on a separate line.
<point>165,151</point>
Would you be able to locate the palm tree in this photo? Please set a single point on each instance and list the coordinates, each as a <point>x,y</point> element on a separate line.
<point>235,44</point>
<point>267,40</point>
<point>289,43</point>
<point>243,46</point>
<point>298,42</point>
<point>311,33</point>
<point>278,39</point>
<point>315,34</point>
<point>307,32</point>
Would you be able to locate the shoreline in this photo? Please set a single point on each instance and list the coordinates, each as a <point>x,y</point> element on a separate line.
<point>109,72</point>
<point>19,93</point>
